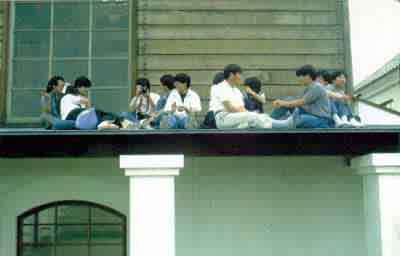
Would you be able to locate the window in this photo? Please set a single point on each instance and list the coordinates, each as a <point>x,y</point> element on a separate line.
<point>68,38</point>
<point>71,228</point>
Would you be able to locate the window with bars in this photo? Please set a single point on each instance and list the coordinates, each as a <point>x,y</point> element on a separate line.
<point>72,228</point>
<point>68,38</point>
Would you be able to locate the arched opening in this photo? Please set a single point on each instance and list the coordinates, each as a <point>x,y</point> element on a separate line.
<point>76,228</point>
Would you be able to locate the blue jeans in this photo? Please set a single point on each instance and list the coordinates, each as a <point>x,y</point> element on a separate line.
<point>342,109</point>
<point>305,120</point>
<point>156,123</point>
<point>176,122</point>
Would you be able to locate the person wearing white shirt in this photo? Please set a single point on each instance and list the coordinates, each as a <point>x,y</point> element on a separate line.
<point>230,111</point>
<point>182,105</point>
<point>209,121</point>
<point>73,103</point>
<point>143,105</point>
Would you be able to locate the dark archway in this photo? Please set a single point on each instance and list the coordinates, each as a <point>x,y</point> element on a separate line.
<point>77,228</point>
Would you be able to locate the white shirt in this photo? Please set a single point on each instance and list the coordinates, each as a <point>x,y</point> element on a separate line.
<point>142,106</point>
<point>191,101</point>
<point>68,103</point>
<point>213,99</point>
<point>227,92</point>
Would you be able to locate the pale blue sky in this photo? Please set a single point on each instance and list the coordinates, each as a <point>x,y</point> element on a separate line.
<point>375,34</point>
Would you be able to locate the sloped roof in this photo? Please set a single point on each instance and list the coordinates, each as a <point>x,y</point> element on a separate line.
<point>391,65</point>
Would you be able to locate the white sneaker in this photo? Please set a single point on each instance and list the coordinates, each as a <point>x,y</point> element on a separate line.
<point>356,123</point>
<point>339,122</point>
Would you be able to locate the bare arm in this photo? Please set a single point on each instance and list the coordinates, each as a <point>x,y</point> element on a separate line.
<point>288,104</point>
<point>85,101</point>
<point>133,104</point>
<point>260,98</point>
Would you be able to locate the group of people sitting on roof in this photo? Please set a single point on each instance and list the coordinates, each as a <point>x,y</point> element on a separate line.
<point>323,104</point>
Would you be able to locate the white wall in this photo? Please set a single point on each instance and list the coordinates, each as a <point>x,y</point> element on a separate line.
<point>270,206</point>
<point>374,116</point>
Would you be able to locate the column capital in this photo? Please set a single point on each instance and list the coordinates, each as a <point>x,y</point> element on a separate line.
<point>377,164</point>
<point>151,165</point>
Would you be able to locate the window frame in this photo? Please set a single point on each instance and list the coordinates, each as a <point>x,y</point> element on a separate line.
<point>131,55</point>
<point>36,210</point>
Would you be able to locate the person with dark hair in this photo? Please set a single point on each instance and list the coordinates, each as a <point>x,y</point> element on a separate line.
<point>314,107</point>
<point>76,99</point>
<point>324,77</point>
<point>209,120</point>
<point>167,83</point>
<point>254,99</point>
<point>183,105</point>
<point>143,105</point>
<point>341,102</point>
<point>50,103</point>
<point>230,111</point>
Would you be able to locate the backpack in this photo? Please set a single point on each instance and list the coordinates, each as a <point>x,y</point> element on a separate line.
<point>209,121</point>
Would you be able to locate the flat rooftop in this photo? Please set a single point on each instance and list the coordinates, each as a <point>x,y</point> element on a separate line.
<point>18,142</point>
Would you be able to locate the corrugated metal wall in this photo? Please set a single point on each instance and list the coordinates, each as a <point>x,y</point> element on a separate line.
<point>268,38</point>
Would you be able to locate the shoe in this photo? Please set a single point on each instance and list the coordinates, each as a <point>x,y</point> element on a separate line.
<point>107,125</point>
<point>356,123</point>
<point>129,125</point>
<point>339,122</point>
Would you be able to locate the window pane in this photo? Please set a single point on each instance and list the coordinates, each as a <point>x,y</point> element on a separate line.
<point>47,216</point>
<point>110,73</point>
<point>72,234</point>
<point>72,250</point>
<point>107,234</point>
<point>101,216</point>
<point>30,219</point>
<point>114,250</point>
<point>115,100</point>
<point>71,15</point>
<point>31,44</point>
<point>32,15</point>
<point>111,15</point>
<point>25,103</point>
<point>70,69</point>
<point>74,214</point>
<point>38,251</point>
<point>30,73</point>
<point>71,44</point>
<point>27,234</point>
<point>46,234</point>
<point>110,44</point>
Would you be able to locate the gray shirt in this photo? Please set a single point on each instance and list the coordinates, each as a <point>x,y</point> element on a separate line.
<point>317,101</point>
<point>333,88</point>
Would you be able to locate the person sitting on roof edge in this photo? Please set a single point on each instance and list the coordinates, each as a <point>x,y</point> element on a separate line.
<point>182,106</point>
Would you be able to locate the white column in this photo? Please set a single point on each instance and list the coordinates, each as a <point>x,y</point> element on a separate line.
<point>381,202</point>
<point>152,203</point>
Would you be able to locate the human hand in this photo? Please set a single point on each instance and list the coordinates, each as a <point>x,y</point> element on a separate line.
<point>277,104</point>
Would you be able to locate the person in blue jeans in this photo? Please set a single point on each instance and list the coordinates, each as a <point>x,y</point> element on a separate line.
<point>313,108</point>
<point>168,85</point>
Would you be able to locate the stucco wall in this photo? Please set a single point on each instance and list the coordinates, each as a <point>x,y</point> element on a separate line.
<point>225,206</point>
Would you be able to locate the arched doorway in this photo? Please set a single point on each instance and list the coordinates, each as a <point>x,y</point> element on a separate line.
<point>76,228</point>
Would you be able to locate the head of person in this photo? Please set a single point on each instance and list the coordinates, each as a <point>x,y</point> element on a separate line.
<point>167,82</point>
<point>82,85</point>
<point>218,78</point>
<point>339,78</point>
<point>233,74</point>
<point>56,83</point>
<point>143,86</point>
<point>324,77</point>
<point>254,84</point>
<point>306,75</point>
<point>182,83</point>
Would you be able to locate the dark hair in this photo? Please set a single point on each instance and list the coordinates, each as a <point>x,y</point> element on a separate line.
<point>325,74</point>
<point>72,90</point>
<point>82,81</point>
<point>232,69</point>
<point>183,78</point>
<point>168,81</point>
<point>218,78</point>
<point>307,70</point>
<point>254,83</point>
<point>144,82</point>
<point>53,82</point>
<point>337,73</point>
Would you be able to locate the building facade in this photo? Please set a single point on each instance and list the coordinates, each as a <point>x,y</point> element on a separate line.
<point>383,87</point>
<point>114,42</point>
